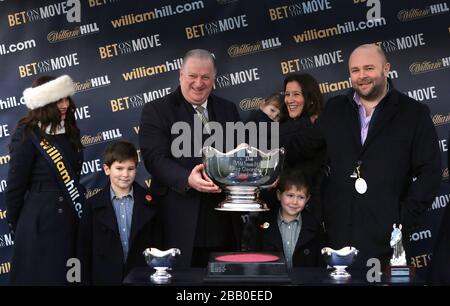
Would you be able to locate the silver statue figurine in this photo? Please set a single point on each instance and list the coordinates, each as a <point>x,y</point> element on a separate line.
<point>241,173</point>
<point>161,261</point>
<point>340,260</point>
<point>399,255</point>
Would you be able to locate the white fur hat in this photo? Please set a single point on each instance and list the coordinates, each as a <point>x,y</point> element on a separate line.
<point>49,92</point>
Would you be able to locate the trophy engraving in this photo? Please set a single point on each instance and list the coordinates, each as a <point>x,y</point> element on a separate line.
<point>340,260</point>
<point>161,261</point>
<point>241,173</point>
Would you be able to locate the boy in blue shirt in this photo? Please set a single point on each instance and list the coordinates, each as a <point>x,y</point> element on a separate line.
<point>118,223</point>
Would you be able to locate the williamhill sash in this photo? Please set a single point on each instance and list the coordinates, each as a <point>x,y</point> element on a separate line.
<point>63,171</point>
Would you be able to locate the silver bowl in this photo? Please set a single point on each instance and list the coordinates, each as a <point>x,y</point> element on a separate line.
<point>162,262</point>
<point>340,260</point>
<point>241,173</point>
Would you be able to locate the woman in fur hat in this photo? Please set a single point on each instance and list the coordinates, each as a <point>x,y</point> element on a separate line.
<point>43,194</point>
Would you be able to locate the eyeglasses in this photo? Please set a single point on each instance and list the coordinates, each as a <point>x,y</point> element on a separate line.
<point>295,93</point>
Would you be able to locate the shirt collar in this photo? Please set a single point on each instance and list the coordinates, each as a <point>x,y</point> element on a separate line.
<point>281,219</point>
<point>113,194</point>
<point>204,104</point>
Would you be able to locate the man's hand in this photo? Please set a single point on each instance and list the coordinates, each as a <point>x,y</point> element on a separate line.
<point>199,180</point>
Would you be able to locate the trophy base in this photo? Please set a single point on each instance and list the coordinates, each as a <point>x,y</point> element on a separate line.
<point>247,267</point>
<point>400,271</point>
<point>242,198</point>
<point>161,276</point>
<point>340,273</point>
<point>249,206</point>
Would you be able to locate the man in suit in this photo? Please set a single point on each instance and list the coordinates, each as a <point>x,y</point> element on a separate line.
<point>179,183</point>
<point>383,158</point>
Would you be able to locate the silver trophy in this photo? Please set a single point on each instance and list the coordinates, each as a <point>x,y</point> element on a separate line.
<point>340,260</point>
<point>161,261</point>
<point>398,265</point>
<point>241,173</point>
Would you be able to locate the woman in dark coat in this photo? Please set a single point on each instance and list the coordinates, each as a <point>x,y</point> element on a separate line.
<point>304,103</point>
<point>43,195</point>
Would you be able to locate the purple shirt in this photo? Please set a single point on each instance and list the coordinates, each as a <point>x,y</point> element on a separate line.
<point>364,120</point>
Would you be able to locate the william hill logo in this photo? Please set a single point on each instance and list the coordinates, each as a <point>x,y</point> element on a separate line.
<point>440,119</point>
<point>249,48</point>
<point>250,103</point>
<point>62,35</point>
<point>88,140</point>
<point>91,192</point>
<point>92,83</point>
<point>427,66</point>
<point>142,72</point>
<point>412,14</point>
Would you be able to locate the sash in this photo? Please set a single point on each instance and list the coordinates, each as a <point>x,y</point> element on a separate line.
<point>63,171</point>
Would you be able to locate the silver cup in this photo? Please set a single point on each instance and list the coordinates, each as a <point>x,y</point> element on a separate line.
<point>340,260</point>
<point>161,261</point>
<point>241,173</point>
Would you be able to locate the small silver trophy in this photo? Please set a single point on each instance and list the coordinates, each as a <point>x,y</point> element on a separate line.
<point>398,265</point>
<point>161,261</point>
<point>242,172</point>
<point>340,260</point>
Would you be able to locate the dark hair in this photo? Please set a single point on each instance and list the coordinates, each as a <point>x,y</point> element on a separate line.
<point>49,115</point>
<point>120,151</point>
<point>293,178</point>
<point>310,90</point>
<point>279,102</point>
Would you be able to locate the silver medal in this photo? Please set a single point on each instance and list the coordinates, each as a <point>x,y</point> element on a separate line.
<point>361,186</point>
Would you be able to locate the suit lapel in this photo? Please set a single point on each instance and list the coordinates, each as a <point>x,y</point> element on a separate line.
<point>307,231</point>
<point>142,212</point>
<point>106,214</point>
<point>353,122</point>
<point>385,114</point>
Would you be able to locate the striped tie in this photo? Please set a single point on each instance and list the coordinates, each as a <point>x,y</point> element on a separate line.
<point>201,113</point>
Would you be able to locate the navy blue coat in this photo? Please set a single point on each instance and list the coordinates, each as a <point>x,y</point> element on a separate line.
<point>180,208</point>
<point>310,241</point>
<point>45,223</point>
<point>99,245</point>
<point>401,145</point>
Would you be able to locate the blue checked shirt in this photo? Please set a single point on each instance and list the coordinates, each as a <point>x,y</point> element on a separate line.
<point>123,207</point>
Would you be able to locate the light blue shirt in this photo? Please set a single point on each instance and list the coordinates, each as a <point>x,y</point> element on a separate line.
<point>123,208</point>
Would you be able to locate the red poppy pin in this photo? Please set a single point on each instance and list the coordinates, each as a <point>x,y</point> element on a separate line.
<point>265,225</point>
<point>148,198</point>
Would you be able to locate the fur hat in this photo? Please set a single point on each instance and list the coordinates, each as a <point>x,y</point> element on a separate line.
<point>49,92</point>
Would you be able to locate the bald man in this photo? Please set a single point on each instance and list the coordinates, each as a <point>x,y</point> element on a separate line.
<point>383,160</point>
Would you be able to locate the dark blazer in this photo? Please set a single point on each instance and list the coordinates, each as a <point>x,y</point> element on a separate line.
<point>99,246</point>
<point>305,151</point>
<point>181,207</point>
<point>401,145</point>
<point>45,224</point>
<point>309,244</point>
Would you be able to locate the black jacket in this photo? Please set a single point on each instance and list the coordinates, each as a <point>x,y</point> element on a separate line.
<point>309,244</point>
<point>99,245</point>
<point>185,213</point>
<point>401,145</point>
